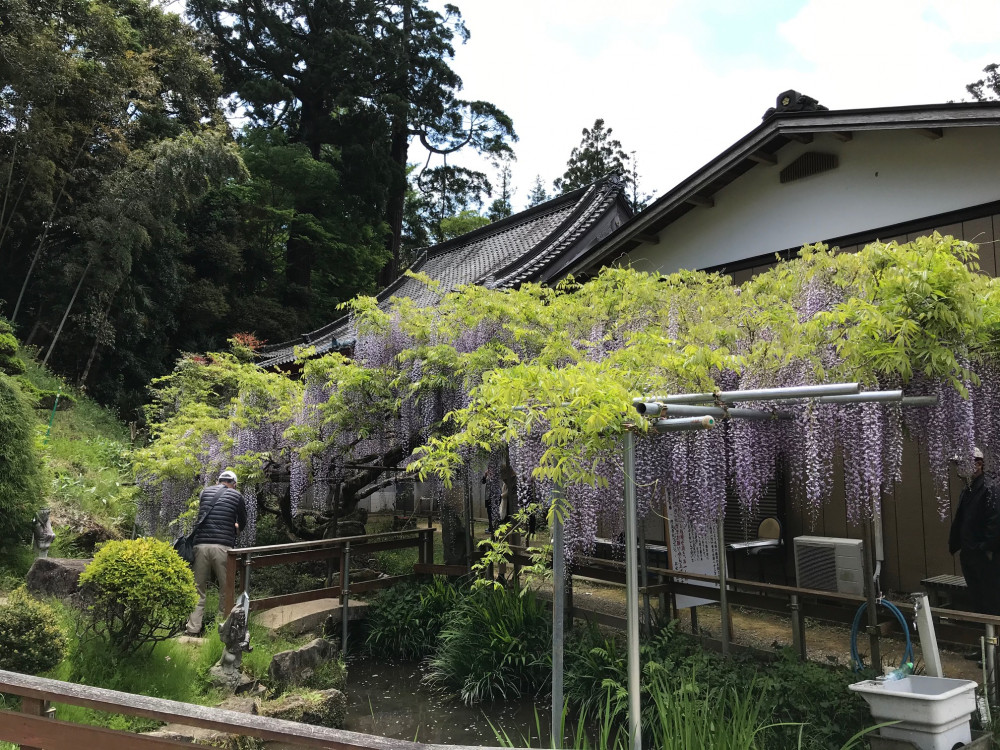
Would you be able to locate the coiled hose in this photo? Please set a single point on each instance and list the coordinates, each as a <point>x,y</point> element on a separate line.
<point>856,628</point>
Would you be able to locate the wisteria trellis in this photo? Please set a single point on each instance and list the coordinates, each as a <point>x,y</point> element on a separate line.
<point>550,374</point>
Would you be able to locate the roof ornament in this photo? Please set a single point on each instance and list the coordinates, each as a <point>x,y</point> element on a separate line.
<point>793,101</point>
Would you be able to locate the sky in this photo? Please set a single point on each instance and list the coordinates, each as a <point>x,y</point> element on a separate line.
<point>679,81</point>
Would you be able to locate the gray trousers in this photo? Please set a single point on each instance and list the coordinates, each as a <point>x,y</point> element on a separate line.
<point>208,559</point>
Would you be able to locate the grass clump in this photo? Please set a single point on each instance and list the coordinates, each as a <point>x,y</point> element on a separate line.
<point>496,644</point>
<point>405,620</point>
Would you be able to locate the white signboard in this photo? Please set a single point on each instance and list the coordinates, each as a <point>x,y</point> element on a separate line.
<point>694,550</point>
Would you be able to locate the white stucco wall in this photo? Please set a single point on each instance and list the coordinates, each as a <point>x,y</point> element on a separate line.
<point>884,178</point>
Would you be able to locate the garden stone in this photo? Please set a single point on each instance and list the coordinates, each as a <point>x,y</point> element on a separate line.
<point>365,574</point>
<point>297,666</point>
<point>212,737</point>
<point>55,576</point>
<point>325,708</point>
<point>234,681</point>
<point>350,528</point>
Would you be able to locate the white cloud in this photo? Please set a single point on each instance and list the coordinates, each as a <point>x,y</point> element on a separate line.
<point>677,90</point>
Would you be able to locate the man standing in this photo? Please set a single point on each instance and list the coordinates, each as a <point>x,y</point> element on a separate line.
<point>221,514</point>
<point>975,535</point>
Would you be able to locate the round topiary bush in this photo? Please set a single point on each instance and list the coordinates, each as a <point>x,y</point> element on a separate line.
<point>137,592</point>
<point>31,640</point>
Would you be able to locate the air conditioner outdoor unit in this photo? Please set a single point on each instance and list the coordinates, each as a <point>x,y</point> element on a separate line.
<point>829,564</point>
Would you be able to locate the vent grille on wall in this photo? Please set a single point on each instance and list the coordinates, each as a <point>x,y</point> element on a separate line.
<point>808,164</point>
<point>817,568</point>
<point>829,564</point>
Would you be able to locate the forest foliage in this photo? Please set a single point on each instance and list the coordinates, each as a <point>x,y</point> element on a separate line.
<point>135,223</point>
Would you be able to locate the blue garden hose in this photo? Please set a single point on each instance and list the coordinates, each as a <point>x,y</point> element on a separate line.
<point>856,627</point>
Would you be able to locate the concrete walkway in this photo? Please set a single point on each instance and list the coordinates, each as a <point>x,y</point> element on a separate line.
<point>296,619</point>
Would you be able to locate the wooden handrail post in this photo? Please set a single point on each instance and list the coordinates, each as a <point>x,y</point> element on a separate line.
<point>345,594</point>
<point>427,546</point>
<point>33,707</point>
<point>228,592</point>
<point>798,628</point>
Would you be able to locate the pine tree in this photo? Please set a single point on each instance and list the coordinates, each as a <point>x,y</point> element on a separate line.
<point>597,156</point>
<point>537,194</point>
<point>986,89</point>
<point>501,208</point>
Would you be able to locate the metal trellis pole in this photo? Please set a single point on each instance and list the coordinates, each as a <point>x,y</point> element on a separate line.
<point>632,596</point>
<point>558,604</point>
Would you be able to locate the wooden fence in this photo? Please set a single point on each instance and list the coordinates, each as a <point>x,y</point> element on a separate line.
<point>951,626</point>
<point>32,729</point>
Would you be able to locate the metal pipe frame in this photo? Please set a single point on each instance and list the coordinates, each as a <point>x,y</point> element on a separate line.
<point>345,596</point>
<point>693,410</point>
<point>724,624</point>
<point>558,604</point>
<point>760,394</point>
<point>632,596</point>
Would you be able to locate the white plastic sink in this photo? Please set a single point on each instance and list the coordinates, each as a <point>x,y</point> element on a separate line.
<point>933,712</point>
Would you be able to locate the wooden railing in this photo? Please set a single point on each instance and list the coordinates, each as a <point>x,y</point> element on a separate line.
<point>951,626</point>
<point>242,560</point>
<point>32,729</point>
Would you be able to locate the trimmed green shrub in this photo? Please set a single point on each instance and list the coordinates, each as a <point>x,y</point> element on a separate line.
<point>496,644</point>
<point>31,640</point>
<point>20,465</point>
<point>137,592</point>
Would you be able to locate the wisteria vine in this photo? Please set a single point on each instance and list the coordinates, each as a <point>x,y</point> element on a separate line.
<point>545,377</point>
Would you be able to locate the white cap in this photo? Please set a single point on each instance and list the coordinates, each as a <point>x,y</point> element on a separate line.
<point>976,453</point>
<point>228,476</point>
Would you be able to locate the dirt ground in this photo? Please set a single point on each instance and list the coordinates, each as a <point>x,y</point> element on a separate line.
<point>767,631</point>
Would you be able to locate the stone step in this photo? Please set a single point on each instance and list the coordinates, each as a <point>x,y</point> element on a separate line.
<point>296,619</point>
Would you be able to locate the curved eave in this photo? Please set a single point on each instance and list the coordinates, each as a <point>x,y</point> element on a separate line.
<point>532,265</point>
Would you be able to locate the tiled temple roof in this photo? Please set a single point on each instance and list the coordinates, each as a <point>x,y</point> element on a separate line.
<point>524,247</point>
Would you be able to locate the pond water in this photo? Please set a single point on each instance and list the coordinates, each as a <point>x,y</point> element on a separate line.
<point>389,700</point>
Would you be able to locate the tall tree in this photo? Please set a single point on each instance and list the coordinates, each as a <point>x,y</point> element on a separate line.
<point>597,156</point>
<point>988,87</point>
<point>501,207</point>
<point>88,248</point>
<point>421,101</point>
<point>364,76</point>
<point>463,223</point>
<point>637,198</point>
<point>537,194</point>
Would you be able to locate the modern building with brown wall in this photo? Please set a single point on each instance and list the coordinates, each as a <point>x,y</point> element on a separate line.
<point>844,178</point>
